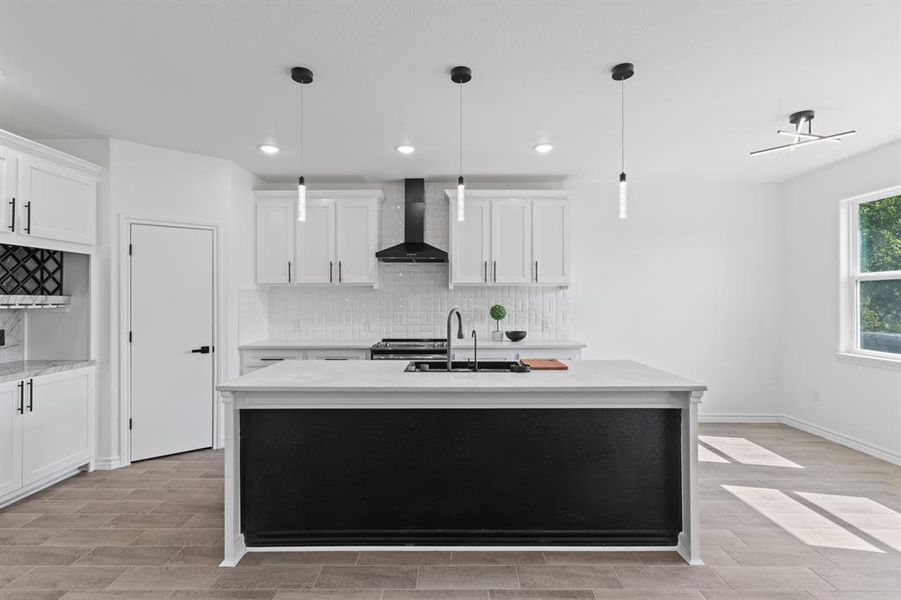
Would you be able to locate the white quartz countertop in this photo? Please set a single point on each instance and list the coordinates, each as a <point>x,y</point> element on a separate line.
<point>365,344</point>
<point>25,369</point>
<point>389,376</point>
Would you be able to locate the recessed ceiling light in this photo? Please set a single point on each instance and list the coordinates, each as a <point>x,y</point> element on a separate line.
<point>268,149</point>
<point>405,149</point>
<point>543,148</point>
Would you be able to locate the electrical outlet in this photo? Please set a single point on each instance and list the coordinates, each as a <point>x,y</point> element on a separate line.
<point>816,396</point>
<point>545,324</point>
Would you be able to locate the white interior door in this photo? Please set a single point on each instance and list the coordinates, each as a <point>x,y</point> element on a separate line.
<point>172,339</point>
<point>471,242</point>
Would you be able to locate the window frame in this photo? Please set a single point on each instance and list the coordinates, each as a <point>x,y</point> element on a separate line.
<point>852,278</point>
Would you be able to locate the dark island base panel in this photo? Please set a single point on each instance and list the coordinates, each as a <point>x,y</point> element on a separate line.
<point>461,477</point>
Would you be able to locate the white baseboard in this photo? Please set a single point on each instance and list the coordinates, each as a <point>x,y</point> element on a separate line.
<point>845,440</point>
<point>739,418</point>
<point>108,463</point>
<point>833,436</point>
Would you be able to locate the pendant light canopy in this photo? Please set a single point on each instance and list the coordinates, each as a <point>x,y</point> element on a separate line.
<point>461,75</point>
<point>620,73</point>
<point>303,76</point>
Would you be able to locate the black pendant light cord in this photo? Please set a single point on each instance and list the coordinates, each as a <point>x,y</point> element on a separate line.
<point>301,129</point>
<point>461,128</point>
<point>622,119</point>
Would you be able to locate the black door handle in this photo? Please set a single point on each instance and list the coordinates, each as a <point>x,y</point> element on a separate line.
<point>12,222</point>
<point>31,395</point>
<point>201,350</point>
<point>28,217</point>
<point>21,408</point>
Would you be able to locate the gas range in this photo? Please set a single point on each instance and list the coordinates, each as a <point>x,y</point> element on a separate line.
<point>410,349</point>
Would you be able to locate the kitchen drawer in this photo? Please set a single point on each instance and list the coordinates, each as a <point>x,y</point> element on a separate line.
<point>264,358</point>
<point>337,354</point>
<point>558,353</point>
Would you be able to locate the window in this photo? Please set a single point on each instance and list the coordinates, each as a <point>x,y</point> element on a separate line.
<point>875,275</point>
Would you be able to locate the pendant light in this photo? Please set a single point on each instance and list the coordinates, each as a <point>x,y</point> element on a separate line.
<point>620,73</point>
<point>303,76</point>
<point>461,75</point>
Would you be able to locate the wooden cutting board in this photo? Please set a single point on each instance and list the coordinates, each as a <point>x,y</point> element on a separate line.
<point>544,364</point>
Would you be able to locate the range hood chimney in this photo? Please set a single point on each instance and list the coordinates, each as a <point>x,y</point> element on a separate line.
<point>413,249</point>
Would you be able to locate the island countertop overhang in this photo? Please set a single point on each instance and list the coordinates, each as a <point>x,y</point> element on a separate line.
<point>313,376</point>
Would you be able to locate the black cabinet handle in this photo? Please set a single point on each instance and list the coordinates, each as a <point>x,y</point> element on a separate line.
<point>536,271</point>
<point>486,271</point>
<point>28,217</point>
<point>21,408</point>
<point>31,395</point>
<point>340,272</point>
<point>201,350</point>
<point>289,271</point>
<point>495,271</point>
<point>331,270</point>
<point>12,222</point>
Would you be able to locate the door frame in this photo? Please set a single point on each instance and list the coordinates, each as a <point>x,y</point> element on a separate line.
<point>125,321</point>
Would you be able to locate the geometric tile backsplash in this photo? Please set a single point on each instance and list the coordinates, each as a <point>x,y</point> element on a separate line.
<point>30,271</point>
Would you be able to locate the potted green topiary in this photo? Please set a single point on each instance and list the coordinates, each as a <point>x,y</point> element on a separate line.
<point>497,312</point>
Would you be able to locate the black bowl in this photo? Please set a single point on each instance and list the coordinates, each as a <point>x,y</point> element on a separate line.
<point>515,336</point>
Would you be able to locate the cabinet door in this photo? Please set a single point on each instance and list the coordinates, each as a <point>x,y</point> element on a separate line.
<point>10,438</point>
<point>471,243</point>
<point>56,203</point>
<point>275,241</point>
<point>550,241</point>
<point>56,427</point>
<point>8,192</point>
<point>511,241</point>
<point>355,233</point>
<point>316,243</point>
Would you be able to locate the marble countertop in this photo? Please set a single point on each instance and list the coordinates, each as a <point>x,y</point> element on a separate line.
<point>389,376</point>
<point>25,369</point>
<point>365,344</point>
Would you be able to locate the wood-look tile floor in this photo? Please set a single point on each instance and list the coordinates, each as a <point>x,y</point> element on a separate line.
<point>785,516</point>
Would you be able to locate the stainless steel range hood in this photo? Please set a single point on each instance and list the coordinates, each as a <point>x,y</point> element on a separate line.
<point>413,249</point>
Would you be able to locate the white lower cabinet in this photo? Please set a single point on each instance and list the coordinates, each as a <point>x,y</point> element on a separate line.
<point>46,427</point>
<point>251,360</point>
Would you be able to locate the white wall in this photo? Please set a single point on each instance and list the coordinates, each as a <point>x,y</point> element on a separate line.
<point>856,403</point>
<point>689,283</point>
<point>146,182</point>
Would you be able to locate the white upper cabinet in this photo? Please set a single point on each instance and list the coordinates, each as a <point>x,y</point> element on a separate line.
<point>471,242</point>
<point>550,242</point>
<point>355,240</point>
<point>275,241</point>
<point>511,241</point>
<point>510,237</point>
<point>335,245</point>
<point>316,243</point>
<point>57,202</point>
<point>49,199</point>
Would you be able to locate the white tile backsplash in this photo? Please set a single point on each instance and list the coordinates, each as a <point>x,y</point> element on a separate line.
<point>413,299</point>
<point>14,323</point>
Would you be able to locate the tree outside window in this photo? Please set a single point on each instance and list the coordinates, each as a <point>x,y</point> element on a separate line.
<point>878,275</point>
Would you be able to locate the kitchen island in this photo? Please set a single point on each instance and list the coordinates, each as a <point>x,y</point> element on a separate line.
<point>326,455</point>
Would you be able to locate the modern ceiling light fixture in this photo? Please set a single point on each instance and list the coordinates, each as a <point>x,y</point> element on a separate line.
<point>543,148</point>
<point>268,148</point>
<point>620,73</point>
<point>405,149</point>
<point>802,138</point>
<point>461,75</point>
<point>303,76</point>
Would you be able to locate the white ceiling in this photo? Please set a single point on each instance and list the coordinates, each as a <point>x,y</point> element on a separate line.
<point>714,81</point>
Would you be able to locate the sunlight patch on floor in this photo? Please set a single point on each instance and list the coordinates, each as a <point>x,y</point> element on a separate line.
<point>707,455</point>
<point>869,516</point>
<point>803,522</point>
<point>747,452</point>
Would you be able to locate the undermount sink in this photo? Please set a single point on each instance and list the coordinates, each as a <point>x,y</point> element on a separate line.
<point>467,366</point>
